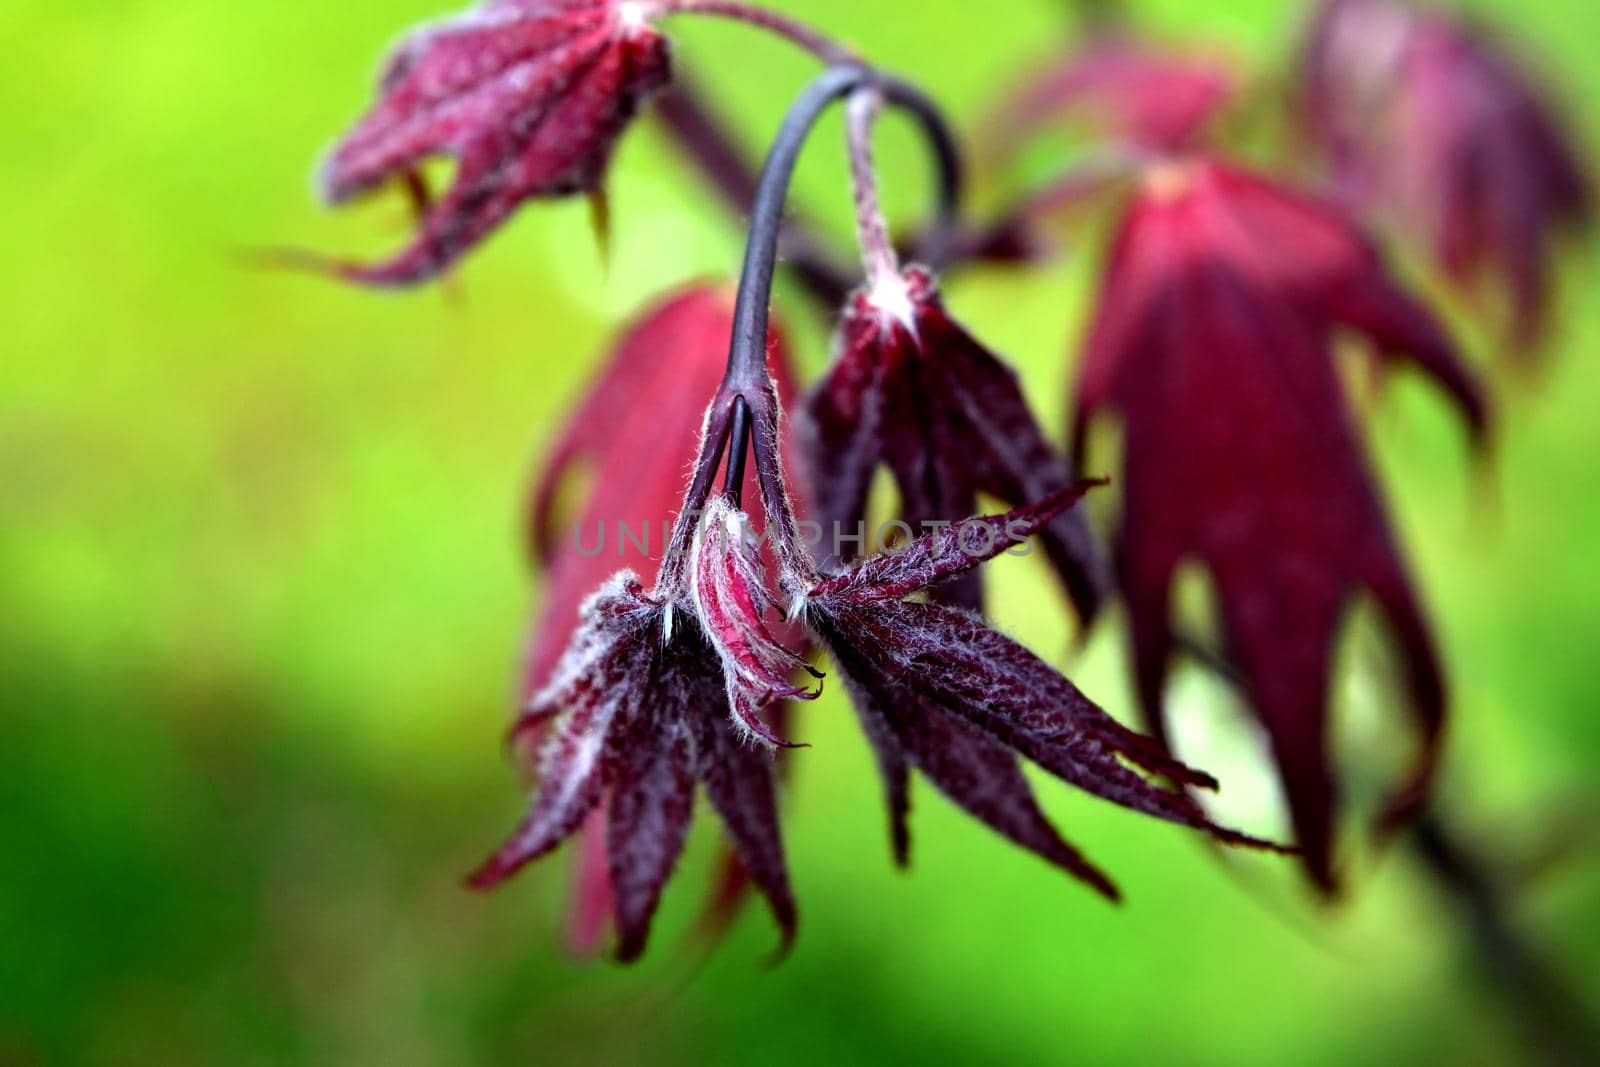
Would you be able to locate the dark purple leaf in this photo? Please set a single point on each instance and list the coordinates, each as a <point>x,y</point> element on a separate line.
<point>936,687</point>
<point>970,767</point>
<point>634,717</point>
<point>527,96</point>
<point>952,550</point>
<point>910,390</point>
<point>1213,342</point>
<point>651,804</point>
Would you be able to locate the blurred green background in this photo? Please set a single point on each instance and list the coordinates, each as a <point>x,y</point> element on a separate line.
<point>262,597</point>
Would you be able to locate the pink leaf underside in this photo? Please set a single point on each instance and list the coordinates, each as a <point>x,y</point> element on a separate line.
<point>1210,340</point>
<point>730,601</point>
<point>949,421</point>
<point>527,97</point>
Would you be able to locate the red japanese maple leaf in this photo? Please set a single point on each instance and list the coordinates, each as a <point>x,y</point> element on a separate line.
<point>1213,342</point>
<point>937,689</point>
<point>911,390</point>
<point>1430,123</point>
<point>527,96</point>
<point>635,720</point>
<point>626,439</point>
<point>1132,92</point>
<point>728,590</point>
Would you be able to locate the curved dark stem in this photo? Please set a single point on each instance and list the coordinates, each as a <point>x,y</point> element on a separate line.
<point>747,353</point>
<point>707,143</point>
<point>1552,1017</point>
<point>746,378</point>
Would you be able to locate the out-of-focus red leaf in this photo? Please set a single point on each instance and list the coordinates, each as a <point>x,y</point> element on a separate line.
<point>1430,125</point>
<point>1213,343</point>
<point>912,391</point>
<point>1144,95</point>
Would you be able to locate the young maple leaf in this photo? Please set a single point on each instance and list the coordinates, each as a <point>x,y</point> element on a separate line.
<point>1213,341</point>
<point>939,690</point>
<point>1138,94</point>
<point>729,596</point>
<point>628,435</point>
<point>911,390</point>
<point>646,700</point>
<point>527,96</point>
<point>635,719</point>
<point>1428,122</point>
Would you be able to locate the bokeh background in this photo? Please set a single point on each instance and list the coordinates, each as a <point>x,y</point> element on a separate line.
<point>261,594</point>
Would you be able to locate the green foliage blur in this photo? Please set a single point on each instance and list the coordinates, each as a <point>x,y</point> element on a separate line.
<point>261,597</point>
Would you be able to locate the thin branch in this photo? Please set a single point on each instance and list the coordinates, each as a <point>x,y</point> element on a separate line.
<point>1552,1017</point>
<point>812,40</point>
<point>878,256</point>
<point>746,385</point>
<point>706,141</point>
<point>747,352</point>
<point>1550,1014</point>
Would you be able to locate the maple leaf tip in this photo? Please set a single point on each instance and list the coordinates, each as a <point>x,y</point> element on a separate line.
<point>781,952</point>
<point>487,876</point>
<point>518,732</point>
<point>325,185</point>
